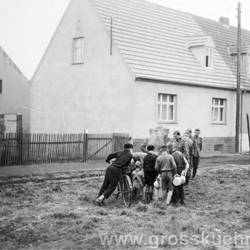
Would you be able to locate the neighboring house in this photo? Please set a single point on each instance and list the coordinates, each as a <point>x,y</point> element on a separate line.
<point>155,67</point>
<point>14,96</point>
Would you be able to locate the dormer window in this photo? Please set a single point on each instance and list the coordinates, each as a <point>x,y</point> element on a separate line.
<point>209,54</point>
<point>248,64</point>
<point>202,47</point>
<point>244,58</point>
<point>244,62</point>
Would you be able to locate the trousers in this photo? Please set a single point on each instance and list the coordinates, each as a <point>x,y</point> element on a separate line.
<point>196,161</point>
<point>112,176</point>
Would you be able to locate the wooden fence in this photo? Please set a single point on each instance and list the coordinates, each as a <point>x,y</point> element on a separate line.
<point>26,149</point>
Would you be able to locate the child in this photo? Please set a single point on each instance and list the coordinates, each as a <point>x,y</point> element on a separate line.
<point>165,165</point>
<point>149,172</point>
<point>138,180</point>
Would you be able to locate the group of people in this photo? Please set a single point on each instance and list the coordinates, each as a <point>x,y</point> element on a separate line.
<point>155,169</point>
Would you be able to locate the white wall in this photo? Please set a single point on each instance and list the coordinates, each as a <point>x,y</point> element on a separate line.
<point>15,97</point>
<point>96,95</point>
<point>194,109</point>
<point>246,110</point>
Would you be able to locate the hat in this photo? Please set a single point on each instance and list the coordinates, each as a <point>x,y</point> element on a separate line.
<point>177,132</point>
<point>150,147</point>
<point>128,145</point>
<point>179,180</point>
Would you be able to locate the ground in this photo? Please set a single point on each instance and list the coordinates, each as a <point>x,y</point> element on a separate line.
<point>55,211</point>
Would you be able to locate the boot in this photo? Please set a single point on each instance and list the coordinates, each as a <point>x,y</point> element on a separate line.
<point>151,196</point>
<point>147,198</point>
<point>169,196</point>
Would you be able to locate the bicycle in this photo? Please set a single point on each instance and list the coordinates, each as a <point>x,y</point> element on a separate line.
<point>124,190</point>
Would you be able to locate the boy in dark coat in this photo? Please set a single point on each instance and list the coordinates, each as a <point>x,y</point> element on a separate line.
<point>149,172</point>
<point>182,169</point>
<point>114,172</point>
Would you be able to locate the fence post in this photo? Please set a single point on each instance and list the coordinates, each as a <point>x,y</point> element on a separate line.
<point>20,146</point>
<point>248,130</point>
<point>114,140</point>
<point>85,146</point>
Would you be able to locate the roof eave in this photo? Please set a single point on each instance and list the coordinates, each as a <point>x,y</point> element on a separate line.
<point>221,87</point>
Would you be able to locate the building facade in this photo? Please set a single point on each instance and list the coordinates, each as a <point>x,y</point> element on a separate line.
<point>129,66</point>
<point>14,96</point>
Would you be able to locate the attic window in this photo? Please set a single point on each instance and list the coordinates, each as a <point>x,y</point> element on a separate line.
<point>209,57</point>
<point>78,50</point>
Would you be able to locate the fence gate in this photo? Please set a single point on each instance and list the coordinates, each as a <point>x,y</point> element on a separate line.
<point>26,149</point>
<point>99,146</point>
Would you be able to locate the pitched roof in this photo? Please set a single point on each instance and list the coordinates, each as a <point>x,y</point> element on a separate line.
<point>11,62</point>
<point>153,40</point>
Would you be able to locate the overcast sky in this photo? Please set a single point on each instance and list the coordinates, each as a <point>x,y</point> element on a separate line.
<point>27,25</point>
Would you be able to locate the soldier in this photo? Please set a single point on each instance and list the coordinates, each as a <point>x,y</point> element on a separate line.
<point>197,147</point>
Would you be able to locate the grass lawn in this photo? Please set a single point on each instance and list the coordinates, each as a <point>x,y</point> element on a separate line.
<point>60,214</point>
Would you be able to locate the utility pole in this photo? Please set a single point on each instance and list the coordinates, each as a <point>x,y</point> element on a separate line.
<point>238,91</point>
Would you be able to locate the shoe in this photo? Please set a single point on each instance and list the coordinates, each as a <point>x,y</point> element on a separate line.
<point>99,203</point>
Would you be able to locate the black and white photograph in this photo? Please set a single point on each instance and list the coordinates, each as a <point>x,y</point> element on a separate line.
<point>124,124</point>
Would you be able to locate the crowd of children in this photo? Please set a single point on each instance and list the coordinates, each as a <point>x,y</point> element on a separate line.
<point>161,171</point>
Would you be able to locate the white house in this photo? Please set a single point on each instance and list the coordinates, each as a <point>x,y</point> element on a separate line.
<point>14,96</point>
<point>130,65</point>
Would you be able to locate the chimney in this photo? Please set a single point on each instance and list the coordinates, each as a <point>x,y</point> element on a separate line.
<point>224,21</point>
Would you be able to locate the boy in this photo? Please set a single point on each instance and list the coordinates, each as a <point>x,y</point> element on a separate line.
<point>149,172</point>
<point>165,165</point>
<point>182,169</point>
<point>114,172</point>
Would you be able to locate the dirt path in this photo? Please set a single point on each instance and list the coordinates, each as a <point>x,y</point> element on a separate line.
<point>95,165</point>
<point>59,214</point>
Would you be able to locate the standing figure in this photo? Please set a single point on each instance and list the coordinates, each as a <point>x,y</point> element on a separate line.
<point>165,165</point>
<point>197,147</point>
<point>187,140</point>
<point>179,144</point>
<point>149,172</point>
<point>182,169</point>
<point>114,172</point>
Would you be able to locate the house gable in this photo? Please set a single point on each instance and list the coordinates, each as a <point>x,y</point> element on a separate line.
<point>68,97</point>
<point>15,94</point>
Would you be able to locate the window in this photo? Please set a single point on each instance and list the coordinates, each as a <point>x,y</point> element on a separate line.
<point>209,58</point>
<point>1,86</point>
<point>248,64</point>
<point>218,110</point>
<point>244,63</point>
<point>78,50</point>
<point>166,108</point>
